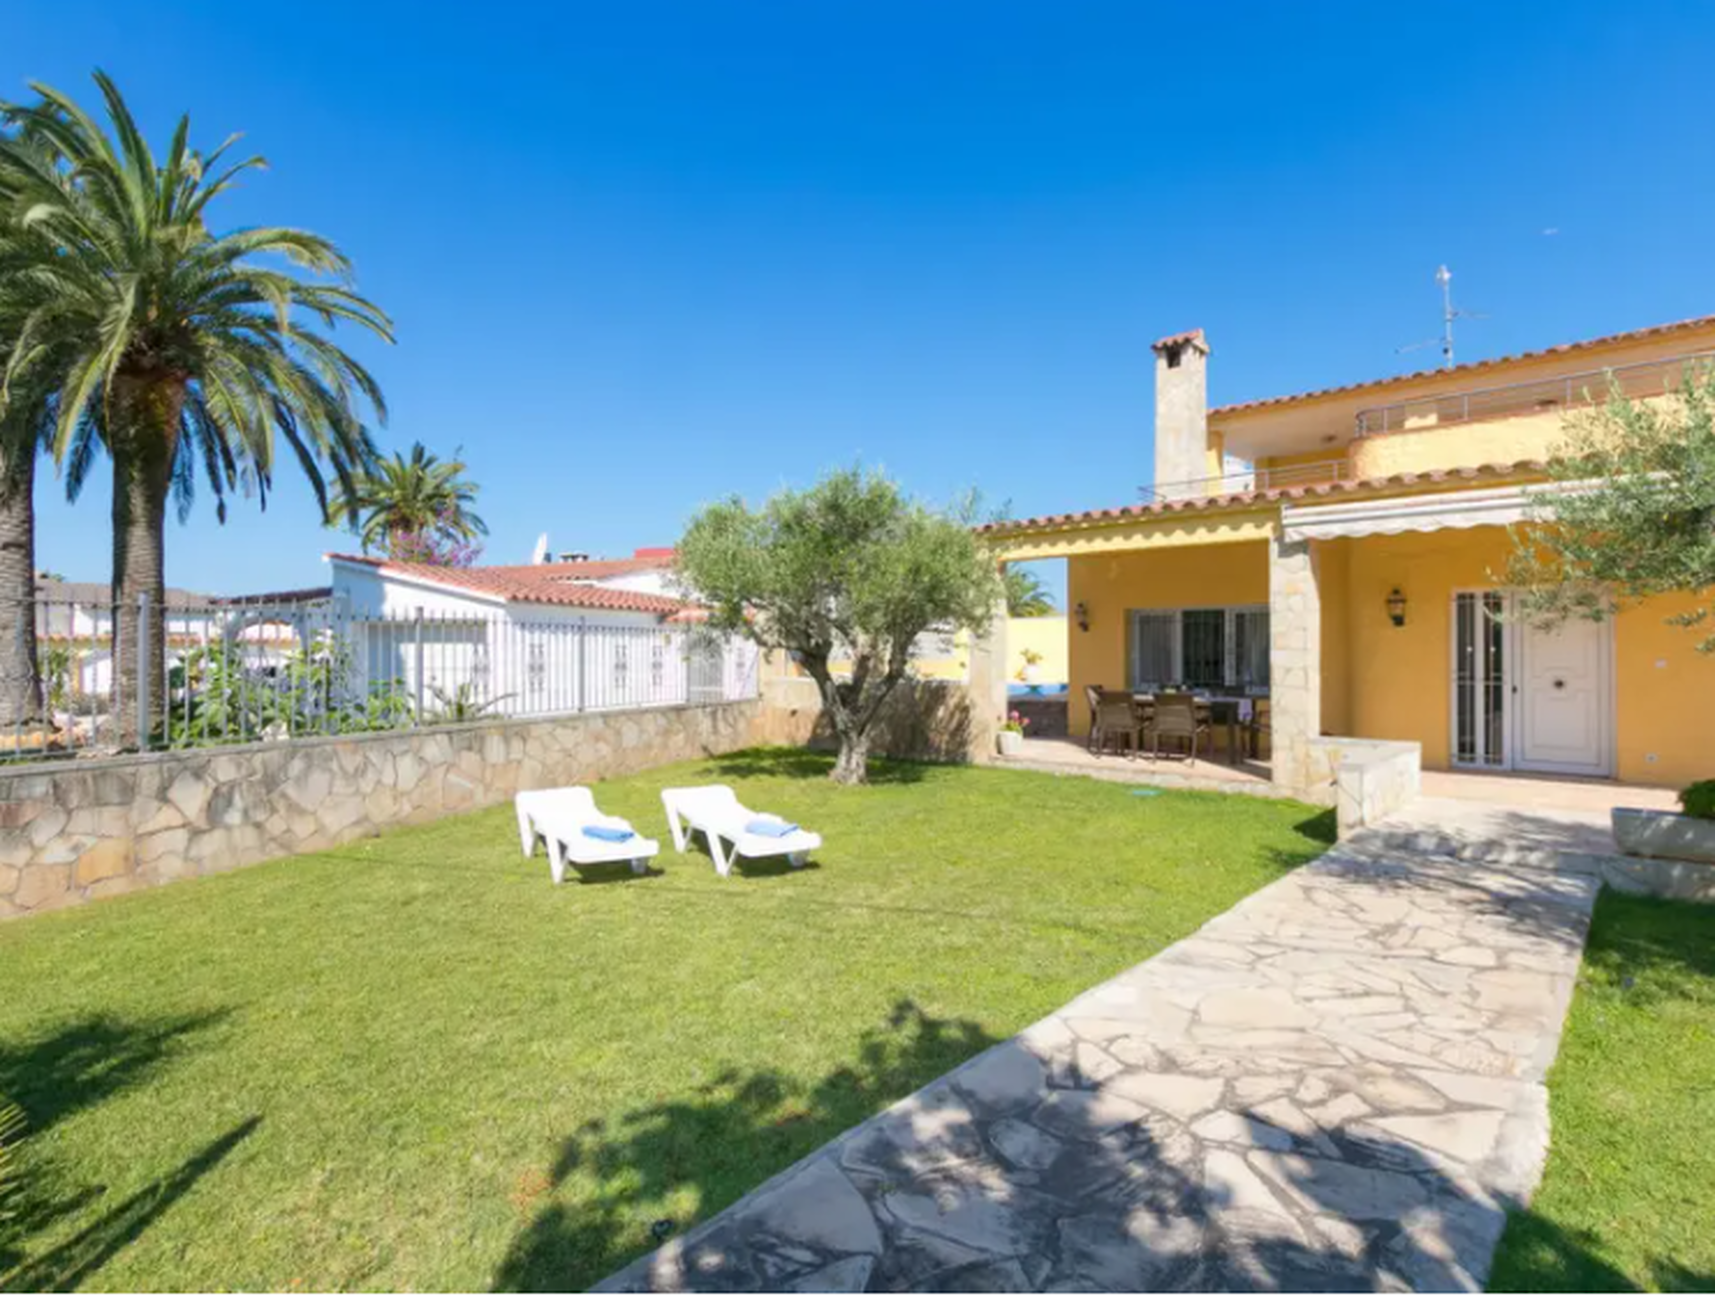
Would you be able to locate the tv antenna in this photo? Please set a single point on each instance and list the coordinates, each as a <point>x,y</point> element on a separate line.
<point>1449,313</point>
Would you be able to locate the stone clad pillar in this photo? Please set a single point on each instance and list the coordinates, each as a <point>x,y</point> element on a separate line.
<point>985,684</point>
<point>1295,659</point>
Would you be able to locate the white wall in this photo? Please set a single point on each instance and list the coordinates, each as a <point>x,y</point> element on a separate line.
<point>526,659</point>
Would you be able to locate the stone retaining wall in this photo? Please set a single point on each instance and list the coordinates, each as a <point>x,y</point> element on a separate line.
<point>925,720</point>
<point>87,829</point>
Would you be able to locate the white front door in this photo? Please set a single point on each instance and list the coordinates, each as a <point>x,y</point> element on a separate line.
<point>1530,699</point>
<point>1562,709</point>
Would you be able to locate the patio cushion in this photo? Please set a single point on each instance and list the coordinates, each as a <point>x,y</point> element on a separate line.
<point>601,832</point>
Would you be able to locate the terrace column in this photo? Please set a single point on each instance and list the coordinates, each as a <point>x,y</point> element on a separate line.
<point>1295,659</point>
<point>985,682</point>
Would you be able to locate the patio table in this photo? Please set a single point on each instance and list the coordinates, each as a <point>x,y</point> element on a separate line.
<point>1218,709</point>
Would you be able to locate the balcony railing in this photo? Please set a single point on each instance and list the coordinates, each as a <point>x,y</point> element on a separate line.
<point>1569,391</point>
<point>1247,480</point>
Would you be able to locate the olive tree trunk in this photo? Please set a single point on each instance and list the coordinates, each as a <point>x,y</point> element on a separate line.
<point>144,438</point>
<point>852,708</point>
<point>20,678</point>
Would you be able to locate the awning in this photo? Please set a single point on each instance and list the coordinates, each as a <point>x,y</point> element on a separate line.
<point>1452,511</point>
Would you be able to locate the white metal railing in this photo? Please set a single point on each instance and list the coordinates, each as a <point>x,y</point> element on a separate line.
<point>1650,378</point>
<point>1247,480</point>
<point>236,671</point>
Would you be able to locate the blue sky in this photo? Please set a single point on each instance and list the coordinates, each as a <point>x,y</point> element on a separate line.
<point>645,255</point>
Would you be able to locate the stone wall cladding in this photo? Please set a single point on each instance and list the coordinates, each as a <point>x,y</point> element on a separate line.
<point>924,720</point>
<point>1371,777</point>
<point>89,829</point>
<point>1295,660</point>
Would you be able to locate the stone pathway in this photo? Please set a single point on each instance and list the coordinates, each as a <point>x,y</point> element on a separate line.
<point>1336,1085</point>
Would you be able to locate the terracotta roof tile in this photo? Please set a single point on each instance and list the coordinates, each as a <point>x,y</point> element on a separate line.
<point>1245,499</point>
<point>591,568</point>
<point>1471,367</point>
<point>556,584</point>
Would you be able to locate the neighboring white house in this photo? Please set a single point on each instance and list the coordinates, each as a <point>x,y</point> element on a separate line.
<point>534,639</point>
<point>74,629</point>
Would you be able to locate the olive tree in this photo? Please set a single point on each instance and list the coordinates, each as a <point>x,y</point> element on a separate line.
<point>1633,512</point>
<point>849,572</point>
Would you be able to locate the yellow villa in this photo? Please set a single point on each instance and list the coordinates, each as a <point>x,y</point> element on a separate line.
<point>1346,572</point>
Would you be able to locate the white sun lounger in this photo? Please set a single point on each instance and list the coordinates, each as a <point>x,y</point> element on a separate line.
<point>559,816</point>
<point>717,813</point>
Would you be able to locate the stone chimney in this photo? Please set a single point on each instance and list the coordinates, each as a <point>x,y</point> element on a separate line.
<point>1181,413</point>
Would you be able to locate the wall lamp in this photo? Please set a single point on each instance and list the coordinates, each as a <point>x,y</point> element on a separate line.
<point>1396,607</point>
<point>1081,614</point>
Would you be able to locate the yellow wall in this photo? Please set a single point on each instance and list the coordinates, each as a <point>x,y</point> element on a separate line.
<point>1665,692</point>
<point>954,667</point>
<point>1334,454</point>
<point>1216,444</point>
<point>1112,584</point>
<point>1459,445</point>
<point>1383,681</point>
<point>1395,682</point>
<point>1398,679</point>
<point>1045,635</point>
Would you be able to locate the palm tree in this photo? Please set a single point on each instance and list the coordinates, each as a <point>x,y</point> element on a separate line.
<point>1026,595</point>
<point>172,345</point>
<point>416,496</point>
<point>23,415</point>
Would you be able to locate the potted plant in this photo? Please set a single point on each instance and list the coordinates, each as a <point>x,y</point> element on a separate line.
<point>1012,728</point>
<point>1661,834</point>
<point>1030,672</point>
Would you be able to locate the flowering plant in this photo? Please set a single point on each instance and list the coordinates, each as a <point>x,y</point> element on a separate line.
<point>439,545</point>
<point>1015,723</point>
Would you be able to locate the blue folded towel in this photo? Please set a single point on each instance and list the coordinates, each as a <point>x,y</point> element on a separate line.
<point>770,828</point>
<point>601,832</point>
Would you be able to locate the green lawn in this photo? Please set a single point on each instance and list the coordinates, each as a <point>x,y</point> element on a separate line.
<point>414,1063</point>
<point>1628,1199</point>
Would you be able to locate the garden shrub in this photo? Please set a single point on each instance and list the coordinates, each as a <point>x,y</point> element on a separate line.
<point>1698,800</point>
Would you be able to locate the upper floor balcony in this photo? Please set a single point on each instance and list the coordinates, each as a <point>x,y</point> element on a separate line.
<point>1550,396</point>
<point>1473,427</point>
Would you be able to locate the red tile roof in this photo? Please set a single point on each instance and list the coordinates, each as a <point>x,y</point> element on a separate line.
<point>559,584</point>
<point>1471,367</point>
<point>601,568</point>
<point>1242,499</point>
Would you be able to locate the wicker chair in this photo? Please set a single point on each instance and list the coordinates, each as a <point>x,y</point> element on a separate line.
<point>1093,696</point>
<point>1177,716</point>
<point>1116,716</point>
<point>1259,728</point>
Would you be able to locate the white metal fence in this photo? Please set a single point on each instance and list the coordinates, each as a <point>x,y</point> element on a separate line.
<point>245,671</point>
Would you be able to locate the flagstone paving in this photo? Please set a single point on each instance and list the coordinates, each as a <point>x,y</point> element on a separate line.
<point>1336,1085</point>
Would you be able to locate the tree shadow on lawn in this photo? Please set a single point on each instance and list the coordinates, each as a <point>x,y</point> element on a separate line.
<point>86,1062</point>
<point>1653,949</point>
<point>803,763</point>
<point>65,1266</point>
<point>721,1140</point>
<point>1316,835</point>
<point>982,1183</point>
<point>74,1067</point>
